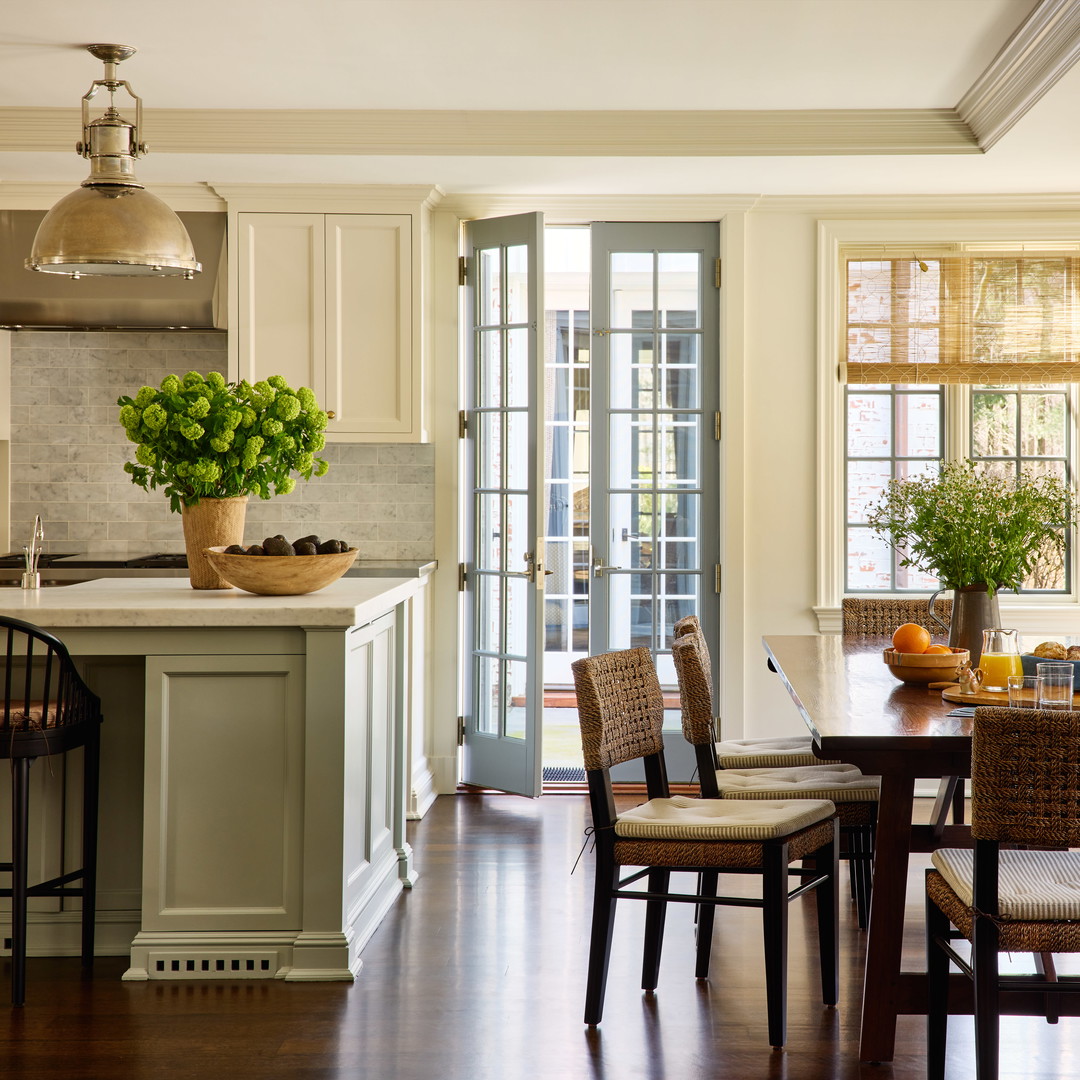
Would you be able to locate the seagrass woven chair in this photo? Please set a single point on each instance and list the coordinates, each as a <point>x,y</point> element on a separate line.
<point>621,713</point>
<point>1025,787</point>
<point>47,710</point>
<point>755,753</point>
<point>879,616</point>
<point>855,794</point>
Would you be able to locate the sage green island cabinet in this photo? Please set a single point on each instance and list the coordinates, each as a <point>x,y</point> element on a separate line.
<point>254,773</point>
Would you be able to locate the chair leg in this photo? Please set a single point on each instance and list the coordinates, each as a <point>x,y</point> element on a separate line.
<point>937,980</point>
<point>706,914</point>
<point>603,923</point>
<point>20,821</point>
<point>865,872</point>
<point>655,916</point>
<point>828,919</point>
<point>91,760</point>
<point>775,929</point>
<point>984,957</point>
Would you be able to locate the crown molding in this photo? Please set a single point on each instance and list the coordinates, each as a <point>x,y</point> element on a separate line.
<point>1043,49</point>
<point>584,208</point>
<point>501,133</point>
<point>951,205</point>
<point>34,195</point>
<point>329,198</point>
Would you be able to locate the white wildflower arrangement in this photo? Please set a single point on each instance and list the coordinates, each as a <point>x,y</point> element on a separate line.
<point>200,437</point>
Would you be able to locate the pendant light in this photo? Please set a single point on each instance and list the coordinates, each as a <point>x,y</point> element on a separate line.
<point>112,225</point>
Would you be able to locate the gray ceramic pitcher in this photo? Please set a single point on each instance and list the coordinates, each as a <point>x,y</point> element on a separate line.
<point>973,611</point>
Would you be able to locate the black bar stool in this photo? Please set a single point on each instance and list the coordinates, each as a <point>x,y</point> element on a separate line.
<point>47,710</point>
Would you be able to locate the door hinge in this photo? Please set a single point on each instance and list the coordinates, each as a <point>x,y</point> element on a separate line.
<point>719,578</point>
<point>718,262</point>
<point>462,270</point>
<point>462,576</point>
<point>716,426</point>
<point>461,731</point>
<point>462,424</point>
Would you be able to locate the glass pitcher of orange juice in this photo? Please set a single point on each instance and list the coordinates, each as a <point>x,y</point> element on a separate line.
<point>1000,659</point>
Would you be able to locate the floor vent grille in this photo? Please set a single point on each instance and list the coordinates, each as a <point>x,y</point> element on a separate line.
<point>212,965</point>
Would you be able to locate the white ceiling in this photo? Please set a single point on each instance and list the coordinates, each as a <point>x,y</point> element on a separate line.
<point>707,60</point>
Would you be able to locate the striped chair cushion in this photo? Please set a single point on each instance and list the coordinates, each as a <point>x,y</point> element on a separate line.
<point>34,720</point>
<point>838,783</point>
<point>1033,886</point>
<point>681,818</point>
<point>767,753</point>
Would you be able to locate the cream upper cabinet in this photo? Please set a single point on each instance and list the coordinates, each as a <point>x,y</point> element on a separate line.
<point>331,301</point>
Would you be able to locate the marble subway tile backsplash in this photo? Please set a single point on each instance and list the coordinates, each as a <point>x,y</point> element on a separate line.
<point>68,451</point>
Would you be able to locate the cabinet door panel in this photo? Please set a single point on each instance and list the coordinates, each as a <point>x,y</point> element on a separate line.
<point>369,350</point>
<point>282,282</point>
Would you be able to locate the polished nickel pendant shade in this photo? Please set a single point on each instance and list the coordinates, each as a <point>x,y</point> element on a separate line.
<point>112,225</point>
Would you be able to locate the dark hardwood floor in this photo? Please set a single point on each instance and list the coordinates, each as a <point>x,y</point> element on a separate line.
<point>478,973</point>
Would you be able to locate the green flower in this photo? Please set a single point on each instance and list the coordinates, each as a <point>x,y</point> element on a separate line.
<point>192,431</point>
<point>145,395</point>
<point>271,427</point>
<point>145,455</point>
<point>216,381</point>
<point>222,442</point>
<point>206,471</point>
<point>286,407</point>
<point>155,417</point>
<point>170,385</point>
<point>129,416</point>
<point>284,485</point>
<point>322,467</point>
<point>193,379</point>
<point>278,382</point>
<point>306,397</point>
<point>199,408</point>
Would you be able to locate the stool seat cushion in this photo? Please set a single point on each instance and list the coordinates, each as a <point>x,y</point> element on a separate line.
<point>1033,886</point>
<point>838,783</point>
<point>682,818</point>
<point>28,720</point>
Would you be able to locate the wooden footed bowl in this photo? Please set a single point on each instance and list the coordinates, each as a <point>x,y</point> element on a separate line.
<point>918,669</point>
<point>280,575</point>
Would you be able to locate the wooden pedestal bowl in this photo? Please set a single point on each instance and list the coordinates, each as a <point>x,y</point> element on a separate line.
<point>280,575</point>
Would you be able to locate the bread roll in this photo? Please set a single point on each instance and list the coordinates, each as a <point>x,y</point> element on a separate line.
<point>1051,650</point>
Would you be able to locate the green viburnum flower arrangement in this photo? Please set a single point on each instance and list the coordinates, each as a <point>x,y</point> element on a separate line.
<point>974,527</point>
<point>204,438</point>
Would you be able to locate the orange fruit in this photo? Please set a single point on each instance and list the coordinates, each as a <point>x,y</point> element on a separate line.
<point>938,649</point>
<point>911,637</point>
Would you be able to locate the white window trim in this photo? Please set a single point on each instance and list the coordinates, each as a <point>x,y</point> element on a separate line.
<point>1051,615</point>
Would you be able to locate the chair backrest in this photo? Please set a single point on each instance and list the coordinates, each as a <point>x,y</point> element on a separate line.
<point>693,668</point>
<point>1025,776</point>
<point>41,693</point>
<point>879,616</point>
<point>685,625</point>
<point>620,707</point>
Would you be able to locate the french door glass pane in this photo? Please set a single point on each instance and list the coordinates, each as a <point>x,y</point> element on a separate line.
<point>517,532</point>
<point>517,682</point>
<point>517,457</point>
<point>679,287</point>
<point>489,541</point>
<point>490,450</point>
<point>489,718</point>
<point>490,287</point>
<point>517,367</point>
<point>491,372</point>
<point>517,284</point>
<point>489,595</point>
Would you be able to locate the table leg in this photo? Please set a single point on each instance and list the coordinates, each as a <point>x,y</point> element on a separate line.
<point>886,932</point>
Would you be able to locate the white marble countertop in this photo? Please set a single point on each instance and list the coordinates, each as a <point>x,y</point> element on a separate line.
<point>172,602</point>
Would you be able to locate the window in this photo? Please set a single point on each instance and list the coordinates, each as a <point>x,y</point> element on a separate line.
<point>947,347</point>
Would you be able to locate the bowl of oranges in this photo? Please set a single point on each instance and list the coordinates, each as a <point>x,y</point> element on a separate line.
<point>914,659</point>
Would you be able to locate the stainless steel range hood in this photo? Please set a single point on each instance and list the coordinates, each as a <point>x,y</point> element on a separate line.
<point>34,301</point>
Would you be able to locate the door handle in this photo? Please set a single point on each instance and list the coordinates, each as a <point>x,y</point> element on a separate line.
<point>598,567</point>
<point>535,571</point>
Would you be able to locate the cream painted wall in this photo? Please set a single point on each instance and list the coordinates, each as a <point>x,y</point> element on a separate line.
<point>780,432</point>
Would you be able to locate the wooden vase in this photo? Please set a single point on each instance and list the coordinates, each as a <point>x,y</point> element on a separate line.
<point>211,523</point>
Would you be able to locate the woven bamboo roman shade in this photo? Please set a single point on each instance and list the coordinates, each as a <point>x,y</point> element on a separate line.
<point>962,315</point>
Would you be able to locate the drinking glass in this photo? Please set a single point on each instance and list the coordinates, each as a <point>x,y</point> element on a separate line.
<point>1055,690</point>
<point>1023,691</point>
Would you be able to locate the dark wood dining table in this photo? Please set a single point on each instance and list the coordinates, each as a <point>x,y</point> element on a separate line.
<point>859,713</point>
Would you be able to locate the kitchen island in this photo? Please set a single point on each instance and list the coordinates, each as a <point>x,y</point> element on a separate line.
<point>253,762</point>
